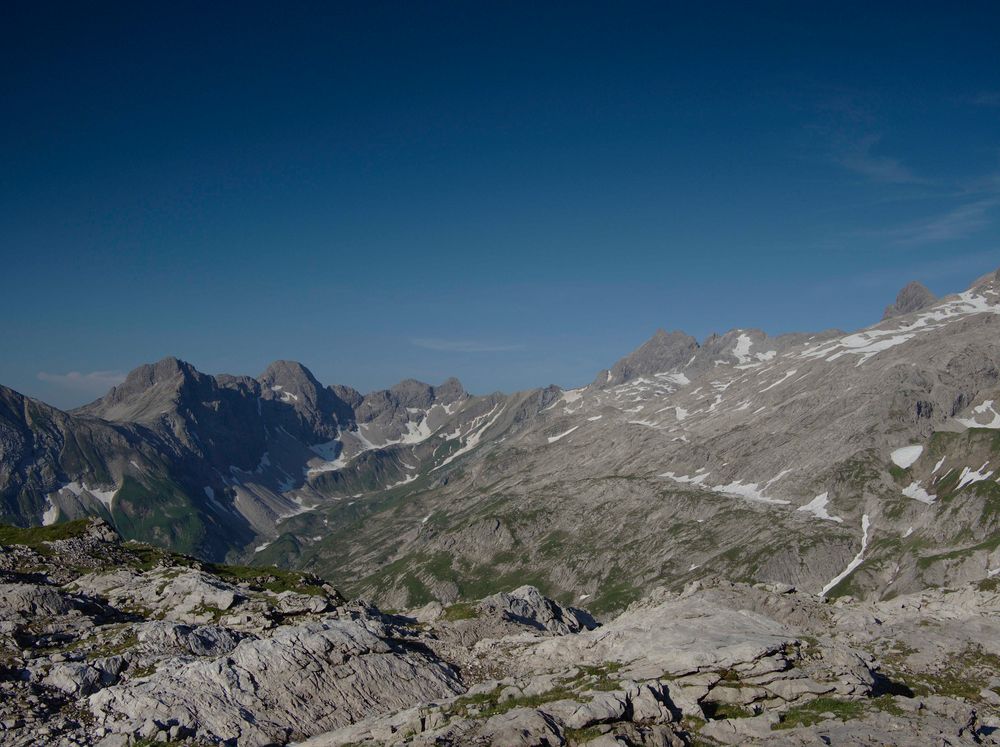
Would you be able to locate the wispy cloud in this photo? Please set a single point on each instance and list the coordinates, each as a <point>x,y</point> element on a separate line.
<point>92,382</point>
<point>957,223</point>
<point>857,156</point>
<point>849,134</point>
<point>462,346</point>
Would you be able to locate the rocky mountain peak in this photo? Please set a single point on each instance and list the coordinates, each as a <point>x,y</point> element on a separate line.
<point>147,391</point>
<point>913,297</point>
<point>411,393</point>
<point>449,390</point>
<point>165,370</point>
<point>664,351</point>
<point>292,379</point>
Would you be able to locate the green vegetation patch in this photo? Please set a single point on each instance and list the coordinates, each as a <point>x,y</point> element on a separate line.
<point>484,705</point>
<point>813,712</point>
<point>719,711</point>
<point>615,593</point>
<point>460,611</point>
<point>989,545</point>
<point>474,581</point>
<point>581,736</point>
<point>37,537</point>
<point>269,578</point>
<point>595,677</point>
<point>159,512</point>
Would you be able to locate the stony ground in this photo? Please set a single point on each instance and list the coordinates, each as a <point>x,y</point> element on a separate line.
<point>112,643</point>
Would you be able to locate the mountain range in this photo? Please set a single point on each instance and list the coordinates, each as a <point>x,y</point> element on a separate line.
<point>855,464</point>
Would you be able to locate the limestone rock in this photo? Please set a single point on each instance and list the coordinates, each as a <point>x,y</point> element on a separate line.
<point>526,605</point>
<point>303,680</point>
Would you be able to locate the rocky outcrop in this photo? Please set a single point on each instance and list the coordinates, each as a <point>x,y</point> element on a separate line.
<point>702,666</point>
<point>301,680</point>
<point>527,606</point>
<point>135,645</point>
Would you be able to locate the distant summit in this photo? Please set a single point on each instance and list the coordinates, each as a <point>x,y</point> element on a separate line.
<point>663,352</point>
<point>913,297</point>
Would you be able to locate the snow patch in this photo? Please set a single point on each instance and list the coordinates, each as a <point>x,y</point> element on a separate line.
<point>685,478</point>
<point>742,353</point>
<point>737,488</point>
<point>982,409</point>
<point>104,496</point>
<point>674,378</point>
<point>817,507</point>
<point>905,456</point>
<point>871,342</point>
<point>748,491</point>
<point>572,395</point>
<point>915,491</point>
<point>776,478</point>
<point>51,513</point>
<point>405,481</point>
<point>742,349</point>
<point>969,476</point>
<point>473,440</point>
<point>415,433</point>
<point>647,423</point>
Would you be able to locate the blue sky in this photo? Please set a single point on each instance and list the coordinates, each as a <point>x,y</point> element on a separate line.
<point>513,194</point>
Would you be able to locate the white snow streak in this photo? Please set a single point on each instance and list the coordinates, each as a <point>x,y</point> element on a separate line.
<point>782,380</point>
<point>553,439</point>
<point>472,441</point>
<point>854,563</point>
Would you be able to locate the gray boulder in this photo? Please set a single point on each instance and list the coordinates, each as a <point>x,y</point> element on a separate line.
<point>528,606</point>
<point>303,681</point>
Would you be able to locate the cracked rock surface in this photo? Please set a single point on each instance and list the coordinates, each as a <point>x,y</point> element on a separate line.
<point>156,648</point>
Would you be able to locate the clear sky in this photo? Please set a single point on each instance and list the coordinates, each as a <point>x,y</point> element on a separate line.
<point>515,193</point>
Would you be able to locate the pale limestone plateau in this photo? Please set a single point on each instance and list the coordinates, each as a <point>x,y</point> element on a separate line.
<point>112,643</point>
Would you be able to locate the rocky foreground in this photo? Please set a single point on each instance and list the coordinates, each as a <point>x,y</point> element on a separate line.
<point>112,643</point>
